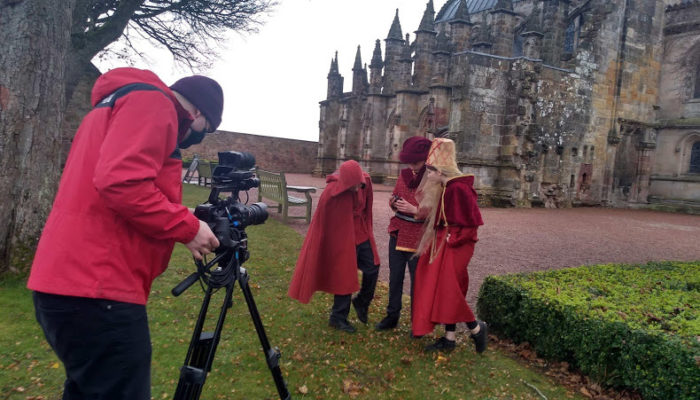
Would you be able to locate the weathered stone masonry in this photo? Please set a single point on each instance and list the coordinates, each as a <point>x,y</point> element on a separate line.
<point>550,102</point>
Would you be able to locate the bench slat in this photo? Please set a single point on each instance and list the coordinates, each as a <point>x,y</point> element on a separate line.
<point>273,186</point>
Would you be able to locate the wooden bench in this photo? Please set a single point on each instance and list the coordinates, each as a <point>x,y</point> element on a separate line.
<point>273,186</point>
<point>204,172</point>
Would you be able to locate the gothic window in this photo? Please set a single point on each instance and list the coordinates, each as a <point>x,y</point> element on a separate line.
<point>569,38</point>
<point>696,94</point>
<point>518,42</point>
<point>695,159</point>
<point>571,35</point>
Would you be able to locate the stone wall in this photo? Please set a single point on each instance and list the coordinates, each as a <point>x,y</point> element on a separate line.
<point>271,153</point>
<point>681,59</point>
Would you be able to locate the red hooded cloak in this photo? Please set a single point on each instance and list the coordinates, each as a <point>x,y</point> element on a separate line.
<point>442,283</point>
<point>328,261</point>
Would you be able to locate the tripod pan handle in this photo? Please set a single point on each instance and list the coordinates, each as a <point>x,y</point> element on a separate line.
<point>182,286</point>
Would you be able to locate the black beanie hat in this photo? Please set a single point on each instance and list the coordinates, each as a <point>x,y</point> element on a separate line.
<point>205,94</point>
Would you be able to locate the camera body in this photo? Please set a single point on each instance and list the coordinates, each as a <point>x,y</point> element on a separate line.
<point>228,217</point>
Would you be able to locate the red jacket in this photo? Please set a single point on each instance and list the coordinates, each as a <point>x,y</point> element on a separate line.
<point>407,233</point>
<point>117,213</point>
<point>328,259</point>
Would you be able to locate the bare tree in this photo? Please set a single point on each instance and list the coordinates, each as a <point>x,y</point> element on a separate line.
<point>190,29</point>
<point>46,50</point>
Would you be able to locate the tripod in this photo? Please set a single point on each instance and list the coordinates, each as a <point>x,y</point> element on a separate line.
<point>200,354</point>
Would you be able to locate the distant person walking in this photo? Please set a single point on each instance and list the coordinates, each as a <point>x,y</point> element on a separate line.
<point>449,203</point>
<point>339,242</point>
<point>404,229</point>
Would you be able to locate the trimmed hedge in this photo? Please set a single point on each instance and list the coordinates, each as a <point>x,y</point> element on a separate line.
<point>626,326</point>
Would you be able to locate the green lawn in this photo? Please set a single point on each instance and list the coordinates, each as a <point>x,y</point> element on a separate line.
<point>317,361</point>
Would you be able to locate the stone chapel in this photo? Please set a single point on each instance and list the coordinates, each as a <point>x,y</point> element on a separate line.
<point>553,103</point>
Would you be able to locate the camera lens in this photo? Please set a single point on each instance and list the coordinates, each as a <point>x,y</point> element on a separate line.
<point>257,213</point>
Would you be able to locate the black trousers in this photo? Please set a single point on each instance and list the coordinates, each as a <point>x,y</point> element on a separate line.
<point>105,346</point>
<point>370,272</point>
<point>397,271</point>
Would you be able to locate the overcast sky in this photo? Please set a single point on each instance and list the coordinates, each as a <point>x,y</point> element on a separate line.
<point>274,79</point>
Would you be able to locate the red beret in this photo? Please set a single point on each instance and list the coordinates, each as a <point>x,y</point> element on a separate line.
<point>414,149</point>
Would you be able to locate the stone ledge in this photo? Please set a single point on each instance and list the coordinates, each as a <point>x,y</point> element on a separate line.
<point>681,178</point>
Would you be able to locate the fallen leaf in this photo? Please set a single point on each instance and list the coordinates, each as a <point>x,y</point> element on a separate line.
<point>585,392</point>
<point>351,388</point>
<point>389,376</point>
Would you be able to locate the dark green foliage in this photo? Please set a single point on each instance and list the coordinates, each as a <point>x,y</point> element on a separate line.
<point>626,326</point>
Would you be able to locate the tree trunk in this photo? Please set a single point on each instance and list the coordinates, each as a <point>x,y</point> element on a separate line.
<point>77,106</point>
<point>35,40</point>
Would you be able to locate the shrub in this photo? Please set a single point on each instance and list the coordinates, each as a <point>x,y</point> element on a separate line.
<point>626,326</point>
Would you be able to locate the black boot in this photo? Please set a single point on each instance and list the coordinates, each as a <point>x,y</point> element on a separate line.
<point>443,344</point>
<point>387,323</point>
<point>481,338</point>
<point>341,325</point>
<point>360,309</point>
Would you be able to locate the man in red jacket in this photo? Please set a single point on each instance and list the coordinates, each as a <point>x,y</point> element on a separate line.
<point>339,242</point>
<point>113,225</point>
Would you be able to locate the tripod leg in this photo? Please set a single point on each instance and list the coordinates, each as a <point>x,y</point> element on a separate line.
<point>200,354</point>
<point>272,356</point>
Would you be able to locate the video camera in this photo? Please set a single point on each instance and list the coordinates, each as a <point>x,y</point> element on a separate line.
<point>233,174</point>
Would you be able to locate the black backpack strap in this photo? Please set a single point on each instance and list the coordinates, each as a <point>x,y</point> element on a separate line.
<point>110,99</point>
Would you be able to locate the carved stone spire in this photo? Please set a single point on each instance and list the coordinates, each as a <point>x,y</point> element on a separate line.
<point>375,70</point>
<point>462,14</point>
<point>377,56</point>
<point>395,30</point>
<point>335,80</point>
<point>358,60</point>
<point>427,24</point>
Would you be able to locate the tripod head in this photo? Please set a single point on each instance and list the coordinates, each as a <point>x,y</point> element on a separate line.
<point>227,217</point>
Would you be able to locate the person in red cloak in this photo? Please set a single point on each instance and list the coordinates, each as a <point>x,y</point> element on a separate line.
<point>449,203</point>
<point>404,229</point>
<point>340,241</point>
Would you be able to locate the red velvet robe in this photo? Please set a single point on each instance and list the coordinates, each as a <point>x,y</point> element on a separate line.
<point>328,260</point>
<point>441,285</point>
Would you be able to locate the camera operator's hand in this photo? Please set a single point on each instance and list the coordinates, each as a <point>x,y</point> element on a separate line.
<point>204,243</point>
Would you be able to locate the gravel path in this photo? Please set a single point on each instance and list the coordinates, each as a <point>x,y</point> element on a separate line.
<point>519,240</point>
